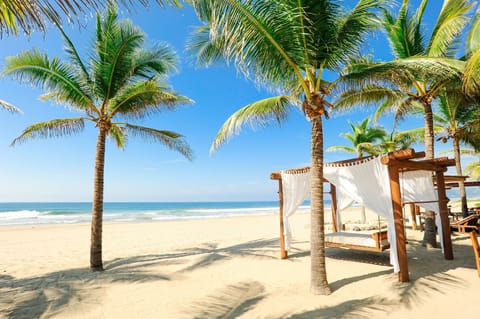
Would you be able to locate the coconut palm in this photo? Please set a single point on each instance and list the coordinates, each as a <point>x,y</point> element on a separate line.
<point>286,45</point>
<point>364,139</point>
<point>400,140</point>
<point>121,81</point>
<point>29,15</point>
<point>418,73</point>
<point>456,116</point>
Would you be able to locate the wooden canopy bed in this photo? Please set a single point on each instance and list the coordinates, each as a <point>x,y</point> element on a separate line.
<point>375,242</point>
<point>397,162</point>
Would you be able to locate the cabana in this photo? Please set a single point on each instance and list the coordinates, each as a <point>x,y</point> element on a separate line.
<point>383,184</point>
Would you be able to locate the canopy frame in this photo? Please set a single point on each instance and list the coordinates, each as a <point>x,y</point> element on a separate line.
<point>397,162</point>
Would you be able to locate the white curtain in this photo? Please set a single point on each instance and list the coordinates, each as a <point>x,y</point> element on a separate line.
<point>369,183</point>
<point>417,186</point>
<point>343,201</point>
<point>296,187</point>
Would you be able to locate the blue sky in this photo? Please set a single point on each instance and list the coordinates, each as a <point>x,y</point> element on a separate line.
<point>61,169</point>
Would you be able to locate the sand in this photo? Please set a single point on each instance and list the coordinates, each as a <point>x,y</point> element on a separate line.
<point>222,268</point>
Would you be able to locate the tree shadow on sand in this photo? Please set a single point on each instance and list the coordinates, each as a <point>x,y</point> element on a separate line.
<point>50,293</point>
<point>373,307</point>
<point>426,279</point>
<point>231,302</point>
<point>211,253</point>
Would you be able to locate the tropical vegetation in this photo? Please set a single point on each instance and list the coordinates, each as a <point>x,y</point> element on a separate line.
<point>122,81</point>
<point>364,139</point>
<point>30,15</point>
<point>289,46</point>
<point>419,72</point>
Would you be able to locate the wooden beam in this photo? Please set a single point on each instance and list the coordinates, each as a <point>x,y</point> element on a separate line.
<point>412,165</point>
<point>283,251</point>
<point>403,275</point>
<point>405,154</point>
<point>442,203</point>
<point>413,216</point>
<point>333,194</point>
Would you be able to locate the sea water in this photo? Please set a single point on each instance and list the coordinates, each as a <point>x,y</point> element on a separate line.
<point>70,213</point>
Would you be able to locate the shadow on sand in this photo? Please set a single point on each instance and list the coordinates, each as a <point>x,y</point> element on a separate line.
<point>49,294</point>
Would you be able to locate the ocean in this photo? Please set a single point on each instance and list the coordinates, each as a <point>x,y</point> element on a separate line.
<point>70,213</point>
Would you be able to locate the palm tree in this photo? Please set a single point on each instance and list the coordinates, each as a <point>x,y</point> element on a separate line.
<point>402,140</point>
<point>363,139</point>
<point>418,73</point>
<point>286,45</point>
<point>456,117</point>
<point>29,15</point>
<point>121,81</point>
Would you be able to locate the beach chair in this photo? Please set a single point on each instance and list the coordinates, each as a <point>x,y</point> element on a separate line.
<point>466,225</point>
<point>476,250</point>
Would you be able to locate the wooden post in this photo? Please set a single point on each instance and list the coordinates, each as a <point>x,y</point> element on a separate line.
<point>413,216</point>
<point>418,213</point>
<point>333,194</point>
<point>442,203</point>
<point>403,275</point>
<point>283,252</point>
<point>476,250</point>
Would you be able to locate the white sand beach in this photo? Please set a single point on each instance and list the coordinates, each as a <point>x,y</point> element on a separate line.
<point>204,268</point>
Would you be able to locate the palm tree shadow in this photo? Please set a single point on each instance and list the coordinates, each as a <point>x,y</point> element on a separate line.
<point>211,253</point>
<point>51,293</point>
<point>426,280</point>
<point>231,302</point>
<point>372,307</point>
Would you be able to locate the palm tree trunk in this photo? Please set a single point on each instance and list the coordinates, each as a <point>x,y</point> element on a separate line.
<point>318,283</point>
<point>461,184</point>
<point>429,235</point>
<point>96,263</point>
<point>429,134</point>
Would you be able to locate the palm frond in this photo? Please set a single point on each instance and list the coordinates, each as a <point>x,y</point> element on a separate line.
<point>472,74</point>
<point>404,33</point>
<point>159,61</point>
<point>449,25</point>
<point>49,129</point>
<point>30,15</point>
<point>258,113</point>
<point>118,134</point>
<point>143,98</point>
<point>368,95</point>
<point>171,140</point>
<point>473,37</point>
<point>118,43</point>
<point>350,33</point>
<point>261,38</point>
<point>473,170</point>
<point>9,107</point>
<point>52,75</point>
<point>341,148</point>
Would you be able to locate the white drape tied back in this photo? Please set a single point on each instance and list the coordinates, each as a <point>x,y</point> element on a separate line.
<point>367,182</point>
<point>296,188</point>
<point>417,186</point>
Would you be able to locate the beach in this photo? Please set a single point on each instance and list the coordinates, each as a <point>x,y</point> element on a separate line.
<point>204,268</point>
